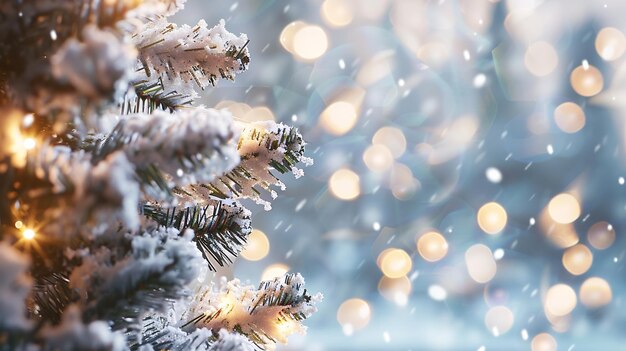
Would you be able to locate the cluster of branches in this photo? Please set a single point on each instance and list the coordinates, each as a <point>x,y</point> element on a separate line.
<point>119,197</point>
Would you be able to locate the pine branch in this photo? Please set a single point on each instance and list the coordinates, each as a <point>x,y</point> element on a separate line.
<point>172,60</point>
<point>32,31</point>
<point>187,147</point>
<point>56,181</point>
<point>220,228</point>
<point>263,147</point>
<point>148,278</point>
<point>51,295</point>
<point>160,336</point>
<point>265,315</point>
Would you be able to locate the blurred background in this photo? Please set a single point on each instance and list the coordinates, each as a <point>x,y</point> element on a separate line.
<point>468,188</point>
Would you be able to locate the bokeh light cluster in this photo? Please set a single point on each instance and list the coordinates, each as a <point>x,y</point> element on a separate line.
<point>468,191</point>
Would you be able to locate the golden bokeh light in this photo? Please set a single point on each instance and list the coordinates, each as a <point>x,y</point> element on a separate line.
<point>378,158</point>
<point>491,218</point>
<point>344,184</point>
<point>395,263</point>
<point>561,235</point>
<point>499,320</point>
<point>392,138</point>
<point>587,80</point>
<point>595,292</point>
<point>569,117</point>
<point>610,43</point>
<point>257,246</point>
<point>560,300</point>
<point>402,183</point>
<point>337,13</point>
<point>339,118</point>
<point>396,290</point>
<point>288,33</point>
<point>541,58</point>
<point>564,208</point>
<point>432,246</point>
<point>353,314</point>
<point>543,342</point>
<point>310,42</point>
<point>601,235</point>
<point>480,263</point>
<point>577,259</point>
<point>276,270</point>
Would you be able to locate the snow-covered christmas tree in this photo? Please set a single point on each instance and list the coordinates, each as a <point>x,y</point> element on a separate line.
<point>119,196</point>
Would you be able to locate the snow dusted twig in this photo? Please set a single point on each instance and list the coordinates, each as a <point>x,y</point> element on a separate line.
<point>191,146</point>
<point>73,334</point>
<point>96,194</point>
<point>14,288</point>
<point>123,287</point>
<point>173,60</point>
<point>265,315</point>
<point>263,147</point>
<point>220,227</point>
<point>97,66</point>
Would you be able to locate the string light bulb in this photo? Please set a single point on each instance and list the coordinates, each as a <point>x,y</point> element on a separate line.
<point>28,234</point>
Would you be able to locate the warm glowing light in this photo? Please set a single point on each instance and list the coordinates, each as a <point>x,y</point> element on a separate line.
<point>564,208</point>
<point>569,117</point>
<point>480,263</point>
<point>543,342</point>
<point>353,314</point>
<point>587,80</point>
<point>378,158</point>
<point>19,224</point>
<point>310,42</point>
<point>337,13</point>
<point>577,259</point>
<point>395,263</point>
<point>601,235</point>
<point>396,290</point>
<point>257,247</point>
<point>276,270</point>
<point>595,293</point>
<point>344,184</point>
<point>491,218</point>
<point>259,113</point>
<point>29,143</point>
<point>541,59</point>
<point>432,246</point>
<point>402,183</point>
<point>288,33</point>
<point>392,138</point>
<point>560,300</point>
<point>339,118</point>
<point>610,43</point>
<point>498,320</point>
<point>28,234</point>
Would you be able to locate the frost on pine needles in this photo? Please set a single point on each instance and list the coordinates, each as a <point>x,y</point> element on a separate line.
<point>119,196</point>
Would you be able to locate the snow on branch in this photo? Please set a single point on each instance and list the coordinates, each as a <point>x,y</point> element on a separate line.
<point>201,339</point>
<point>265,315</point>
<point>72,193</point>
<point>32,31</point>
<point>173,60</point>
<point>263,147</point>
<point>97,65</point>
<point>14,288</point>
<point>191,146</point>
<point>73,334</point>
<point>220,227</point>
<point>123,286</point>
